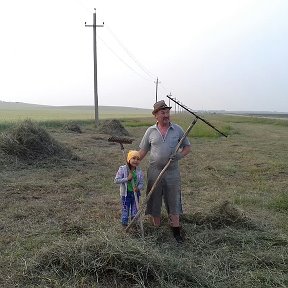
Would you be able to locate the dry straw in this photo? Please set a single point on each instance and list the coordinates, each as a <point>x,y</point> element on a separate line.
<point>113,127</point>
<point>221,215</point>
<point>28,141</point>
<point>109,260</point>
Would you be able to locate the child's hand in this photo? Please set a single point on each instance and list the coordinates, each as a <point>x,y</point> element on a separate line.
<point>129,176</point>
<point>135,189</point>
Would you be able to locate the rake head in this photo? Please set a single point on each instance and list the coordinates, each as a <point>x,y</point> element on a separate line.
<point>121,140</point>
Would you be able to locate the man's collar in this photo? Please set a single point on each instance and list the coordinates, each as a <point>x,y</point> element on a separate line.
<point>171,125</point>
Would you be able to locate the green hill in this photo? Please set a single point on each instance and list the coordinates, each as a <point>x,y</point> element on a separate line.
<point>14,111</point>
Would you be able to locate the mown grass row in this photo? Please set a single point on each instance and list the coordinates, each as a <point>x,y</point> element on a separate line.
<point>199,130</point>
<point>56,119</point>
<point>50,124</point>
<point>255,120</point>
<point>221,250</point>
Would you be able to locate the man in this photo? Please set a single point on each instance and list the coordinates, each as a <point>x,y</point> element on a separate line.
<point>161,140</point>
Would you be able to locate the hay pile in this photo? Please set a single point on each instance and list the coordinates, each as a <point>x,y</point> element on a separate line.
<point>221,215</point>
<point>113,127</point>
<point>225,214</point>
<point>28,141</point>
<point>105,260</point>
<point>72,127</point>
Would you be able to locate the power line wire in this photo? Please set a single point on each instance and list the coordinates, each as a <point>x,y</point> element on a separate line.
<point>136,61</point>
<point>131,55</point>
<point>125,63</point>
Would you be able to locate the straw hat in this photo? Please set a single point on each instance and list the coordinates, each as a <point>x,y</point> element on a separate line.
<point>160,105</point>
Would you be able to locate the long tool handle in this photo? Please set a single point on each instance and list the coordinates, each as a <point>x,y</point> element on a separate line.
<point>140,218</point>
<point>141,209</point>
<point>138,206</point>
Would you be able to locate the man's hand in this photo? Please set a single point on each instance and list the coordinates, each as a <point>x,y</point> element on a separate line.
<point>176,157</point>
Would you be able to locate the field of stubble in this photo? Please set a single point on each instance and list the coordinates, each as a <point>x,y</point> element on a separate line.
<point>60,218</point>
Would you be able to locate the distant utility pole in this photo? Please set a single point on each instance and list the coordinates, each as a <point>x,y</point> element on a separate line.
<point>95,66</point>
<point>157,82</point>
<point>175,107</point>
<point>169,98</point>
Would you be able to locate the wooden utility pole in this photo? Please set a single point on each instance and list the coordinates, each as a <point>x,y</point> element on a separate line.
<point>95,66</point>
<point>169,98</point>
<point>157,82</point>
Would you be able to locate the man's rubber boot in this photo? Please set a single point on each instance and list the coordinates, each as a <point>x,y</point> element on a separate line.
<point>177,235</point>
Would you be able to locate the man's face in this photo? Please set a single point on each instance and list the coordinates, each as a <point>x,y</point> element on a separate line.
<point>163,116</point>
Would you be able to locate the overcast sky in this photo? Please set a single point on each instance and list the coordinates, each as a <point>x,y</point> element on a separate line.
<point>209,54</point>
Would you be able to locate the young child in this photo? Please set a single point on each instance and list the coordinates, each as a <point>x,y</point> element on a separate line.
<point>131,179</point>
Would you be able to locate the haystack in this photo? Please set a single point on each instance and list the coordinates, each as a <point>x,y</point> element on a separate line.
<point>221,214</point>
<point>113,127</point>
<point>29,141</point>
<point>72,127</point>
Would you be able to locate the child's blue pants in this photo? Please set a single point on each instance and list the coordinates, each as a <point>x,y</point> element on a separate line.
<point>128,207</point>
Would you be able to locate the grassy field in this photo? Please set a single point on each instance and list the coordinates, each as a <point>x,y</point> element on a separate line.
<point>11,112</point>
<point>60,218</point>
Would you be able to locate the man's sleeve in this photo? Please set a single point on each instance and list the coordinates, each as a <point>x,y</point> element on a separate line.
<point>145,143</point>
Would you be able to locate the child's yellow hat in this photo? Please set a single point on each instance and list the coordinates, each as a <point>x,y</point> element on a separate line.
<point>131,154</point>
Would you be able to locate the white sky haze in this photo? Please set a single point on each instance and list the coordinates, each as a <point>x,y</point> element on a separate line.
<point>209,54</point>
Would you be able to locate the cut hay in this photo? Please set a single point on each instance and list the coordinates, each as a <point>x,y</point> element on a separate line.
<point>221,215</point>
<point>106,260</point>
<point>113,127</point>
<point>29,141</point>
<point>73,127</point>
